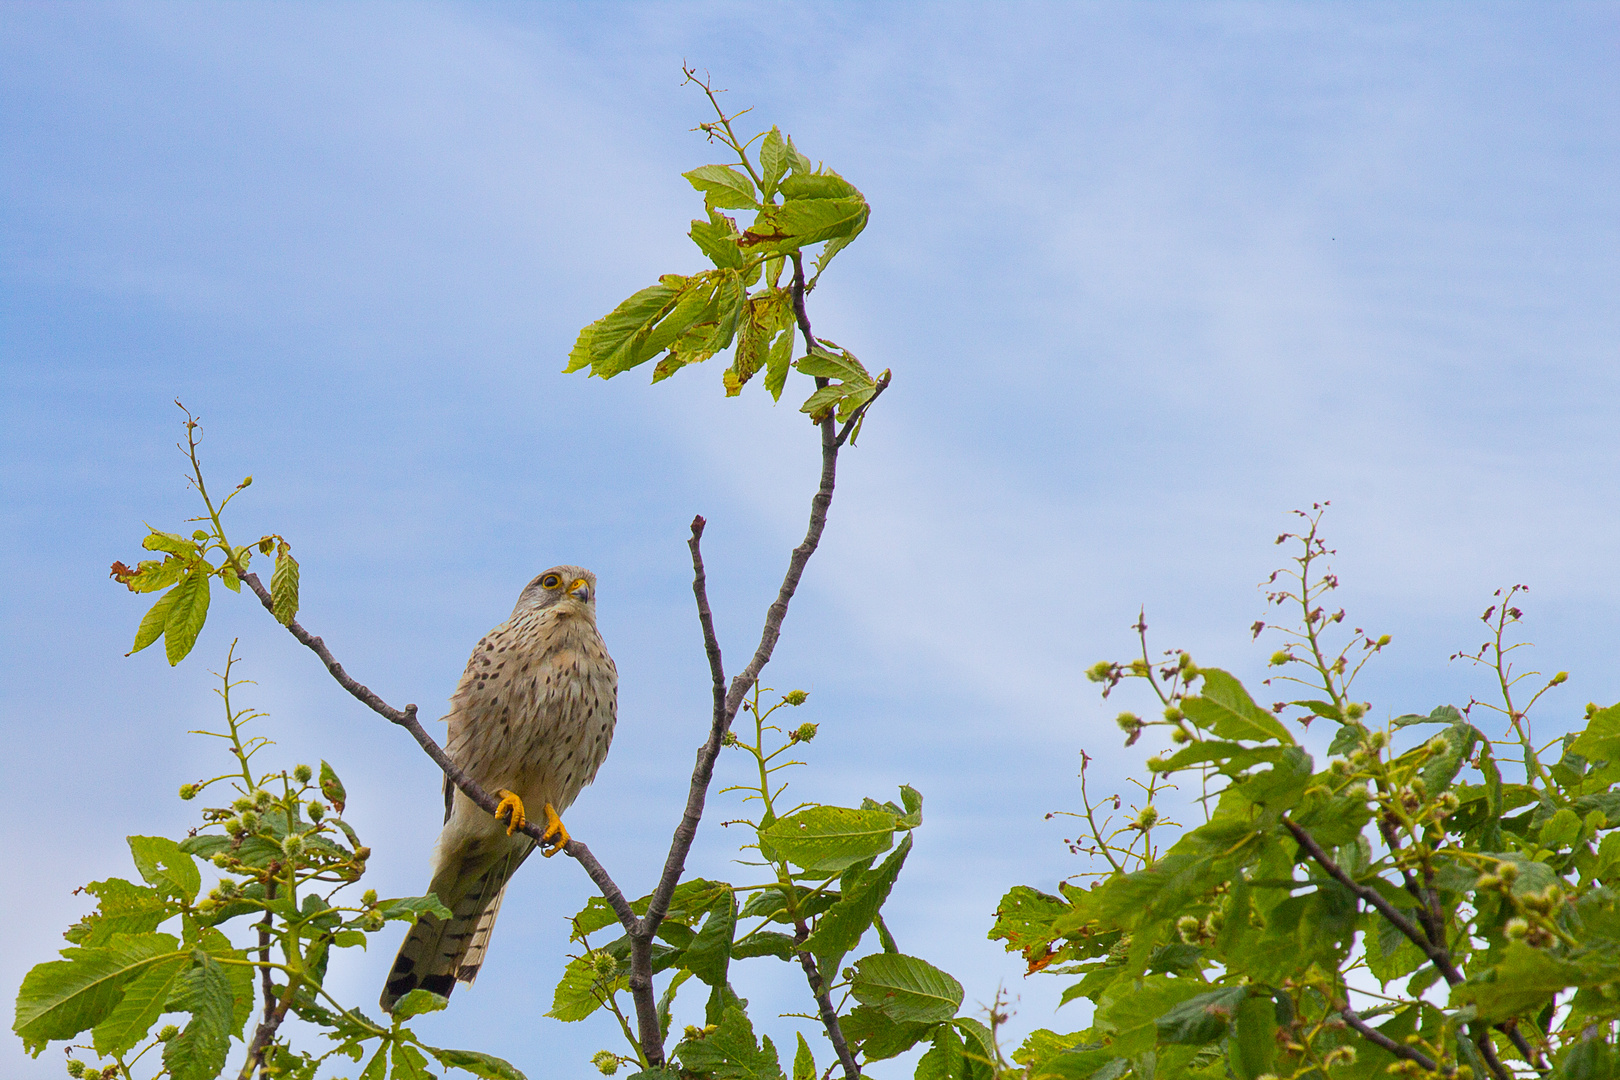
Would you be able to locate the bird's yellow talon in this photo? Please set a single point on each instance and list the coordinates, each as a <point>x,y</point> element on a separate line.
<point>510,810</point>
<point>554,833</point>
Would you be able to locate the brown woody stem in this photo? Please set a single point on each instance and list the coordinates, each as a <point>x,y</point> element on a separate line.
<point>1378,1038</point>
<point>1435,951</point>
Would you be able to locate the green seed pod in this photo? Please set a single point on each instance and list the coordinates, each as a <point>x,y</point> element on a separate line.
<point>1172,714</point>
<point>796,697</point>
<point>1099,671</point>
<point>369,897</point>
<point>189,791</point>
<point>1377,740</point>
<point>603,965</point>
<point>1355,710</point>
<point>250,821</point>
<point>303,773</point>
<point>221,860</point>
<point>1187,927</point>
<point>606,1062</point>
<point>1280,657</point>
<point>317,810</point>
<point>1516,928</point>
<point>241,804</point>
<point>1128,721</point>
<point>262,799</point>
<point>75,1068</point>
<point>1180,735</point>
<point>292,845</point>
<point>169,1031</point>
<point>804,732</point>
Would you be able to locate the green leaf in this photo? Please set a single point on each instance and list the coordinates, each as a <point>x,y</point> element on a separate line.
<point>1523,983</point>
<point>332,788</point>
<point>1201,1019</point>
<point>1255,1037</point>
<point>188,613</point>
<point>60,998</point>
<point>730,1052</point>
<point>126,908</point>
<point>409,1063</point>
<point>765,314</point>
<point>1024,920</point>
<point>164,866</point>
<point>173,543</point>
<point>878,1037</point>
<point>486,1065</point>
<point>840,928</point>
<point>717,238</point>
<point>773,162</point>
<point>409,907</point>
<point>777,362</point>
<point>417,1002</point>
<point>1588,1059</point>
<point>1442,769</point>
<point>905,988</point>
<point>144,1000</point>
<point>1600,740</point>
<point>723,187</point>
<point>284,588</point>
<point>1129,1010</point>
<point>853,387</point>
<point>765,943</point>
<point>943,1061</point>
<point>151,628</point>
<point>829,838</point>
<point>1561,830</point>
<point>1225,708</point>
<point>240,976</point>
<point>606,346</point>
<point>796,224</point>
<point>710,952</point>
<point>198,1052</point>
<point>822,185</point>
<point>804,1062</point>
<point>581,991</point>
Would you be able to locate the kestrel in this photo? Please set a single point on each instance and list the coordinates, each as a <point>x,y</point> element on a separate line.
<point>531,721</point>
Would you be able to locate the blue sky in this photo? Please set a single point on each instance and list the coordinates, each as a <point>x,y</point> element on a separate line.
<point>1149,277</point>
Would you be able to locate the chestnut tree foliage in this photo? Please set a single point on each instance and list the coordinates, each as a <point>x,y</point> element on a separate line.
<point>1437,897</point>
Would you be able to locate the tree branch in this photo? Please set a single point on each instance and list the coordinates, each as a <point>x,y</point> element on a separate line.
<point>265,1032</point>
<point>1436,952</point>
<point>1377,1038</point>
<point>824,1005</point>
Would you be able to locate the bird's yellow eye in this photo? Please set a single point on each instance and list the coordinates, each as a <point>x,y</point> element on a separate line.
<point>551,581</point>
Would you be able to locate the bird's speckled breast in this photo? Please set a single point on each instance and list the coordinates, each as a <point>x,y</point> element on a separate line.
<point>535,709</point>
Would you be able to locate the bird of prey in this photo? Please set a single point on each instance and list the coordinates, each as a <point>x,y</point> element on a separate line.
<point>531,721</point>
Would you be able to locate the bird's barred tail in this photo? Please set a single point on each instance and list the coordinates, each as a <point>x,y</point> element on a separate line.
<point>438,953</point>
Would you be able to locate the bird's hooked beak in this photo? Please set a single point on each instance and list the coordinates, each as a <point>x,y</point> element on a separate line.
<point>580,590</point>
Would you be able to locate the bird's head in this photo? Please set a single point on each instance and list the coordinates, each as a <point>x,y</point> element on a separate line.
<point>565,587</point>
